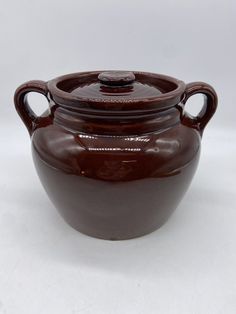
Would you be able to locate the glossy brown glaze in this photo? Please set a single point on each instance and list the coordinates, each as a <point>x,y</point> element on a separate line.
<point>115,168</point>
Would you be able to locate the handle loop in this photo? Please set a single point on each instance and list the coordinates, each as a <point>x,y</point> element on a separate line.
<point>21,103</point>
<point>209,107</point>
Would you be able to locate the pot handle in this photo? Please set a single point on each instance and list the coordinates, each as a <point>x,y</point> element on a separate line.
<point>27,115</point>
<point>209,107</point>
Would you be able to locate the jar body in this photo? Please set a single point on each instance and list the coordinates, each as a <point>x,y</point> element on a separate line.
<point>115,152</point>
<point>115,186</point>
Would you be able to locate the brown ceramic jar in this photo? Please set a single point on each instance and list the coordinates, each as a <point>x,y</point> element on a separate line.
<point>116,150</point>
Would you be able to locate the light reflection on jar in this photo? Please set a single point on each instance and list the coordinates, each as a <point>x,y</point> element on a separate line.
<point>129,139</point>
<point>137,139</point>
<point>112,149</point>
<point>166,146</point>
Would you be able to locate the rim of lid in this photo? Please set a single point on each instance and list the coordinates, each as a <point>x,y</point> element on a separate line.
<point>68,99</point>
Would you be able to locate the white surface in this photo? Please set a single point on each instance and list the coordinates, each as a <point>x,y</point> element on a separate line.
<point>186,267</point>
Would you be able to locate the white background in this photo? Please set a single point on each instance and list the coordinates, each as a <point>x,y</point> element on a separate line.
<point>189,265</point>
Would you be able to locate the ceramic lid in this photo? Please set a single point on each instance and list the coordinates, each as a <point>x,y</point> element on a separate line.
<point>117,85</point>
<point>112,87</point>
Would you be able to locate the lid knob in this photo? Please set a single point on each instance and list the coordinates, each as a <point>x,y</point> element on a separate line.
<point>116,78</point>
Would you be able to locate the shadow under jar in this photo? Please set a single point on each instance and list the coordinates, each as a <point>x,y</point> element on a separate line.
<point>115,151</point>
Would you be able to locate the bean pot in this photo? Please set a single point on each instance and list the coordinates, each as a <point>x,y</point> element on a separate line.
<point>115,151</point>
